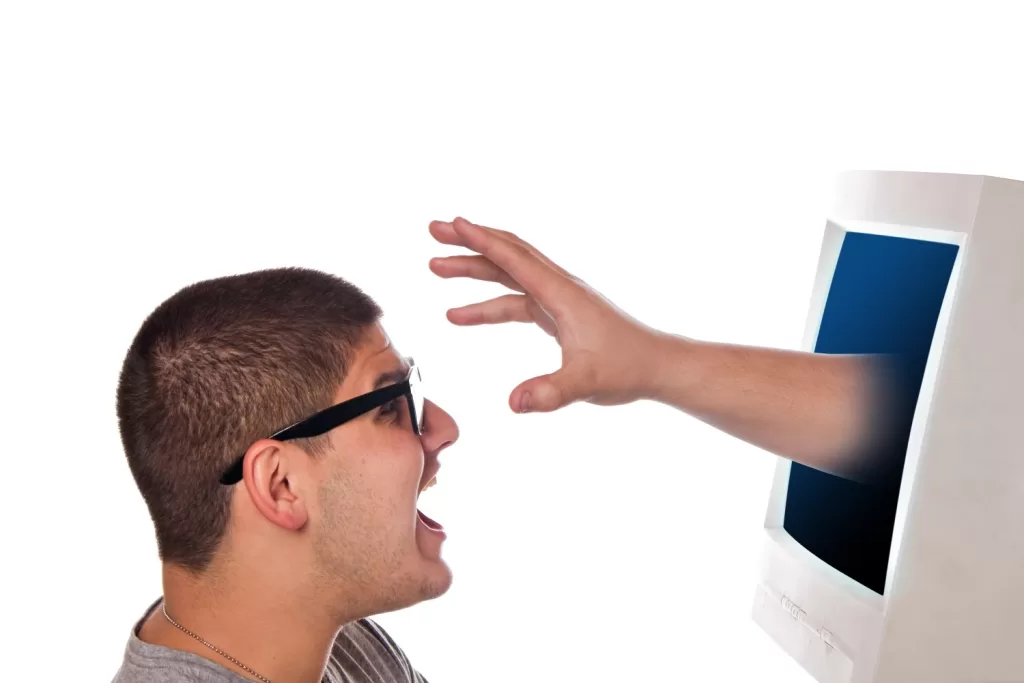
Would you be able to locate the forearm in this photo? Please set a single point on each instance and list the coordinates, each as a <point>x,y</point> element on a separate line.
<point>824,411</point>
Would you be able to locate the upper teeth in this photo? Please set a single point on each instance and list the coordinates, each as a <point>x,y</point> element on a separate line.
<point>429,484</point>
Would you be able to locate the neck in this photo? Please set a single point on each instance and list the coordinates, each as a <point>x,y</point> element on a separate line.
<point>280,633</point>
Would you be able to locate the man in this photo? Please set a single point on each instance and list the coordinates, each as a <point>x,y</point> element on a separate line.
<point>280,443</point>
<point>843,414</point>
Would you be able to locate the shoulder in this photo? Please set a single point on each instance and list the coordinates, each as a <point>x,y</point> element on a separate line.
<point>144,662</point>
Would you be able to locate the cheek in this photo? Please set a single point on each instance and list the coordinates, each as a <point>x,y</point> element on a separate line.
<point>384,470</point>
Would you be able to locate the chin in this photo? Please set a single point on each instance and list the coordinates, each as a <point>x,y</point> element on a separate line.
<point>437,581</point>
<point>428,581</point>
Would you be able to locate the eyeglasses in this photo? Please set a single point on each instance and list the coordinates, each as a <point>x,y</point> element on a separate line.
<point>339,414</point>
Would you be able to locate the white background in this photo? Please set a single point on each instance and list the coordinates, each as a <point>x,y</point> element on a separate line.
<point>678,160</point>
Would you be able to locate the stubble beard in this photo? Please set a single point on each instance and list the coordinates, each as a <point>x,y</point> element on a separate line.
<point>356,567</point>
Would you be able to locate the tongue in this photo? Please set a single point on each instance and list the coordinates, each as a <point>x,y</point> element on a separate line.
<point>431,524</point>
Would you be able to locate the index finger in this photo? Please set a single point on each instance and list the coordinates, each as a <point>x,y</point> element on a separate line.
<point>548,286</point>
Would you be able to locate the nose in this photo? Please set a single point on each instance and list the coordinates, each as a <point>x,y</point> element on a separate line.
<point>439,428</point>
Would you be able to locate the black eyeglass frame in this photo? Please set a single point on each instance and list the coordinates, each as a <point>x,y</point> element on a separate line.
<point>340,413</point>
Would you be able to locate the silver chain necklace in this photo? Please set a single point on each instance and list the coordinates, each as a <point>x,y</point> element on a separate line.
<point>216,649</point>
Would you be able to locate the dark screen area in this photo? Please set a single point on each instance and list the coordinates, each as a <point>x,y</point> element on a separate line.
<point>884,299</point>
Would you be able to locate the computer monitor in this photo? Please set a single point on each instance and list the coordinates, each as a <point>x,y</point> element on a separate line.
<point>917,576</point>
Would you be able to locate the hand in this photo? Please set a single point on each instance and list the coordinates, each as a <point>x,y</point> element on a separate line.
<point>607,356</point>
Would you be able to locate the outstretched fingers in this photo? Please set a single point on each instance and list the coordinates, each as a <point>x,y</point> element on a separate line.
<point>503,309</point>
<point>444,232</point>
<point>475,267</point>
<point>547,284</point>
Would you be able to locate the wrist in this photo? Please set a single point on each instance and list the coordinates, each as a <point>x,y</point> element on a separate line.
<point>669,366</point>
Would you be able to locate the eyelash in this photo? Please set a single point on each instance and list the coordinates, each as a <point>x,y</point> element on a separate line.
<point>389,408</point>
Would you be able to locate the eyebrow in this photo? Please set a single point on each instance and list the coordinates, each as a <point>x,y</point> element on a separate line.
<point>391,377</point>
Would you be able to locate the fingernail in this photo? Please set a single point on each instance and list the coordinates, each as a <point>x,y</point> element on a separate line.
<point>524,403</point>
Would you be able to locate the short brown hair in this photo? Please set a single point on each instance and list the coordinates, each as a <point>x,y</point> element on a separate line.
<point>220,364</point>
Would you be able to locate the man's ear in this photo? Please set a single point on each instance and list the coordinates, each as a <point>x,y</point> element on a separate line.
<point>270,473</point>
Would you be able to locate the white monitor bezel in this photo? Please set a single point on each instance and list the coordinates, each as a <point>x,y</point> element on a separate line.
<point>835,233</point>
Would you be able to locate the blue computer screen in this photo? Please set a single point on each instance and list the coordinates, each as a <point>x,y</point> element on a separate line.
<point>885,297</point>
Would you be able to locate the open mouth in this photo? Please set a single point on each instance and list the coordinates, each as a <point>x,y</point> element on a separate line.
<point>427,521</point>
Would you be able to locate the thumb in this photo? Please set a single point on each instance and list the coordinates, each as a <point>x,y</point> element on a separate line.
<point>545,394</point>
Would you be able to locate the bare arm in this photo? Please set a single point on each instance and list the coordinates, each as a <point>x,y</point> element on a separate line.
<point>829,412</point>
<point>824,411</point>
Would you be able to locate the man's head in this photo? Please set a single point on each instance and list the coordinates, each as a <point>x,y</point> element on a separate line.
<point>224,364</point>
